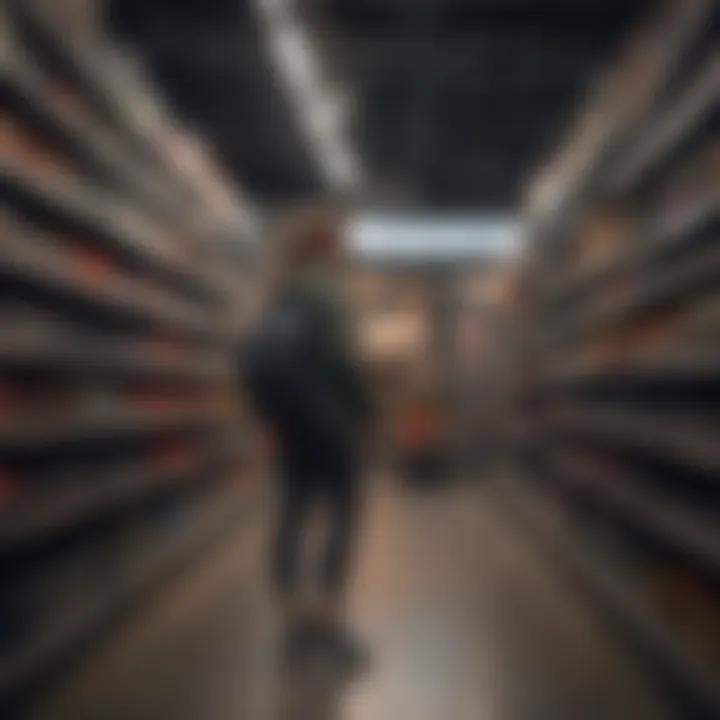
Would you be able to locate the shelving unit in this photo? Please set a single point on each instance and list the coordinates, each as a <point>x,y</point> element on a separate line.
<point>121,451</point>
<point>619,382</point>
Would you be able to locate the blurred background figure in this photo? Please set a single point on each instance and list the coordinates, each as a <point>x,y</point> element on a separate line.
<point>304,372</point>
<point>516,453</point>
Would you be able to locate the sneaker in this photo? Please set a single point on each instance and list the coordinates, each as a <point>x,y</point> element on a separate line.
<point>350,653</point>
<point>300,640</point>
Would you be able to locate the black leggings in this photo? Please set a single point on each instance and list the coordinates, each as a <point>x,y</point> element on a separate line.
<point>306,484</point>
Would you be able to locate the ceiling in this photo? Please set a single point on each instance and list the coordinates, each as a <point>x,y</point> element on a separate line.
<point>455,101</point>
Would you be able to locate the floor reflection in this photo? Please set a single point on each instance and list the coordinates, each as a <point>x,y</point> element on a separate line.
<point>464,620</point>
<point>312,689</point>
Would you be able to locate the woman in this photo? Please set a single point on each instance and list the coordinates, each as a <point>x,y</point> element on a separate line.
<point>308,383</point>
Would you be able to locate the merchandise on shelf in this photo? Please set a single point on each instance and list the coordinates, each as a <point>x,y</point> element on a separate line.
<point>119,446</point>
<point>618,379</point>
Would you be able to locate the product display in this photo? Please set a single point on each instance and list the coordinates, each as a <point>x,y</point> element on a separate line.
<point>118,432</point>
<point>619,380</point>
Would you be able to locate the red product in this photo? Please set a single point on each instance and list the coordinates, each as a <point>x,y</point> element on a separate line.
<point>419,429</point>
<point>9,488</point>
<point>8,403</point>
<point>93,267</point>
<point>20,144</point>
<point>174,456</point>
<point>167,346</point>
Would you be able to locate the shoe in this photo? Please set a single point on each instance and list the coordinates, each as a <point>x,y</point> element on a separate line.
<point>350,653</point>
<point>301,639</point>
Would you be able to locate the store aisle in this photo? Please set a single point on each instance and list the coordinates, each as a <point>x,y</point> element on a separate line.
<point>465,618</point>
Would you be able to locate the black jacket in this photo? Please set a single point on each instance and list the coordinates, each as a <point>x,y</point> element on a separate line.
<point>303,369</point>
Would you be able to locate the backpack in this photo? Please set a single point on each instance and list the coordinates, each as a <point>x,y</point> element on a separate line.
<point>277,367</point>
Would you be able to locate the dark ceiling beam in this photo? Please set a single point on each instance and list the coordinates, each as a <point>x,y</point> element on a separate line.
<point>516,49</point>
<point>422,85</point>
<point>218,45</point>
<point>363,17</point>
<point>522,71</point>
<point>131,17</point>
<point>233,44</point>
<point>443,105</point>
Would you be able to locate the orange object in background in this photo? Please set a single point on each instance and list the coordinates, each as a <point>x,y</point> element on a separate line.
<point>92,266</point>
<point>9,488</point>
<point>175,456</point>
<point>167,346</point>
<point>269,444</point>
<point>24,146</point>
<point>8,403</point>
<point>419,428</point>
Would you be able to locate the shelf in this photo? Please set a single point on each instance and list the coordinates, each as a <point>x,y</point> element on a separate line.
<point>91,357</point>
<point>43,264</point>
<point>97,70</point>
<point>672,128</point>
<point>116,358</point>
<point>680,527</point>
<point>631,90</point>
<point>684,365</point>
<point>85,139</point>
<point>43,515</point>
<point>49,432</point>
<point>630,611</point>
<point>119,228</point>
<point>666,233</point>
<point>621,351</point>
<point>686,277</point>
<point>690,442</point>
<point>215,516</point>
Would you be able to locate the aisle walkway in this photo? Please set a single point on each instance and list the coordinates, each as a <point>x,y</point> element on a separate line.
<point>466,620</point>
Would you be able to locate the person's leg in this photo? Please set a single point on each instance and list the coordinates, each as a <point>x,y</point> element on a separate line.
<point>294,505</point>
<point>344,507</point>
<point>342,498</point>
<point>298,622</point>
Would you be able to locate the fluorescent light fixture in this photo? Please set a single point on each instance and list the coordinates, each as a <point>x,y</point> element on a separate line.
<point>320,110</point>
<point>433,239</point>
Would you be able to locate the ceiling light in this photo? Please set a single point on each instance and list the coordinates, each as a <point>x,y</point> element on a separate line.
<point>320,109</point>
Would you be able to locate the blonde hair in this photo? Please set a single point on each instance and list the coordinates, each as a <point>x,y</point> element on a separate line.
<point>304,237</point>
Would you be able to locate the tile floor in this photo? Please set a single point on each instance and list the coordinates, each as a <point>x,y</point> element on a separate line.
<point>465,618</point>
